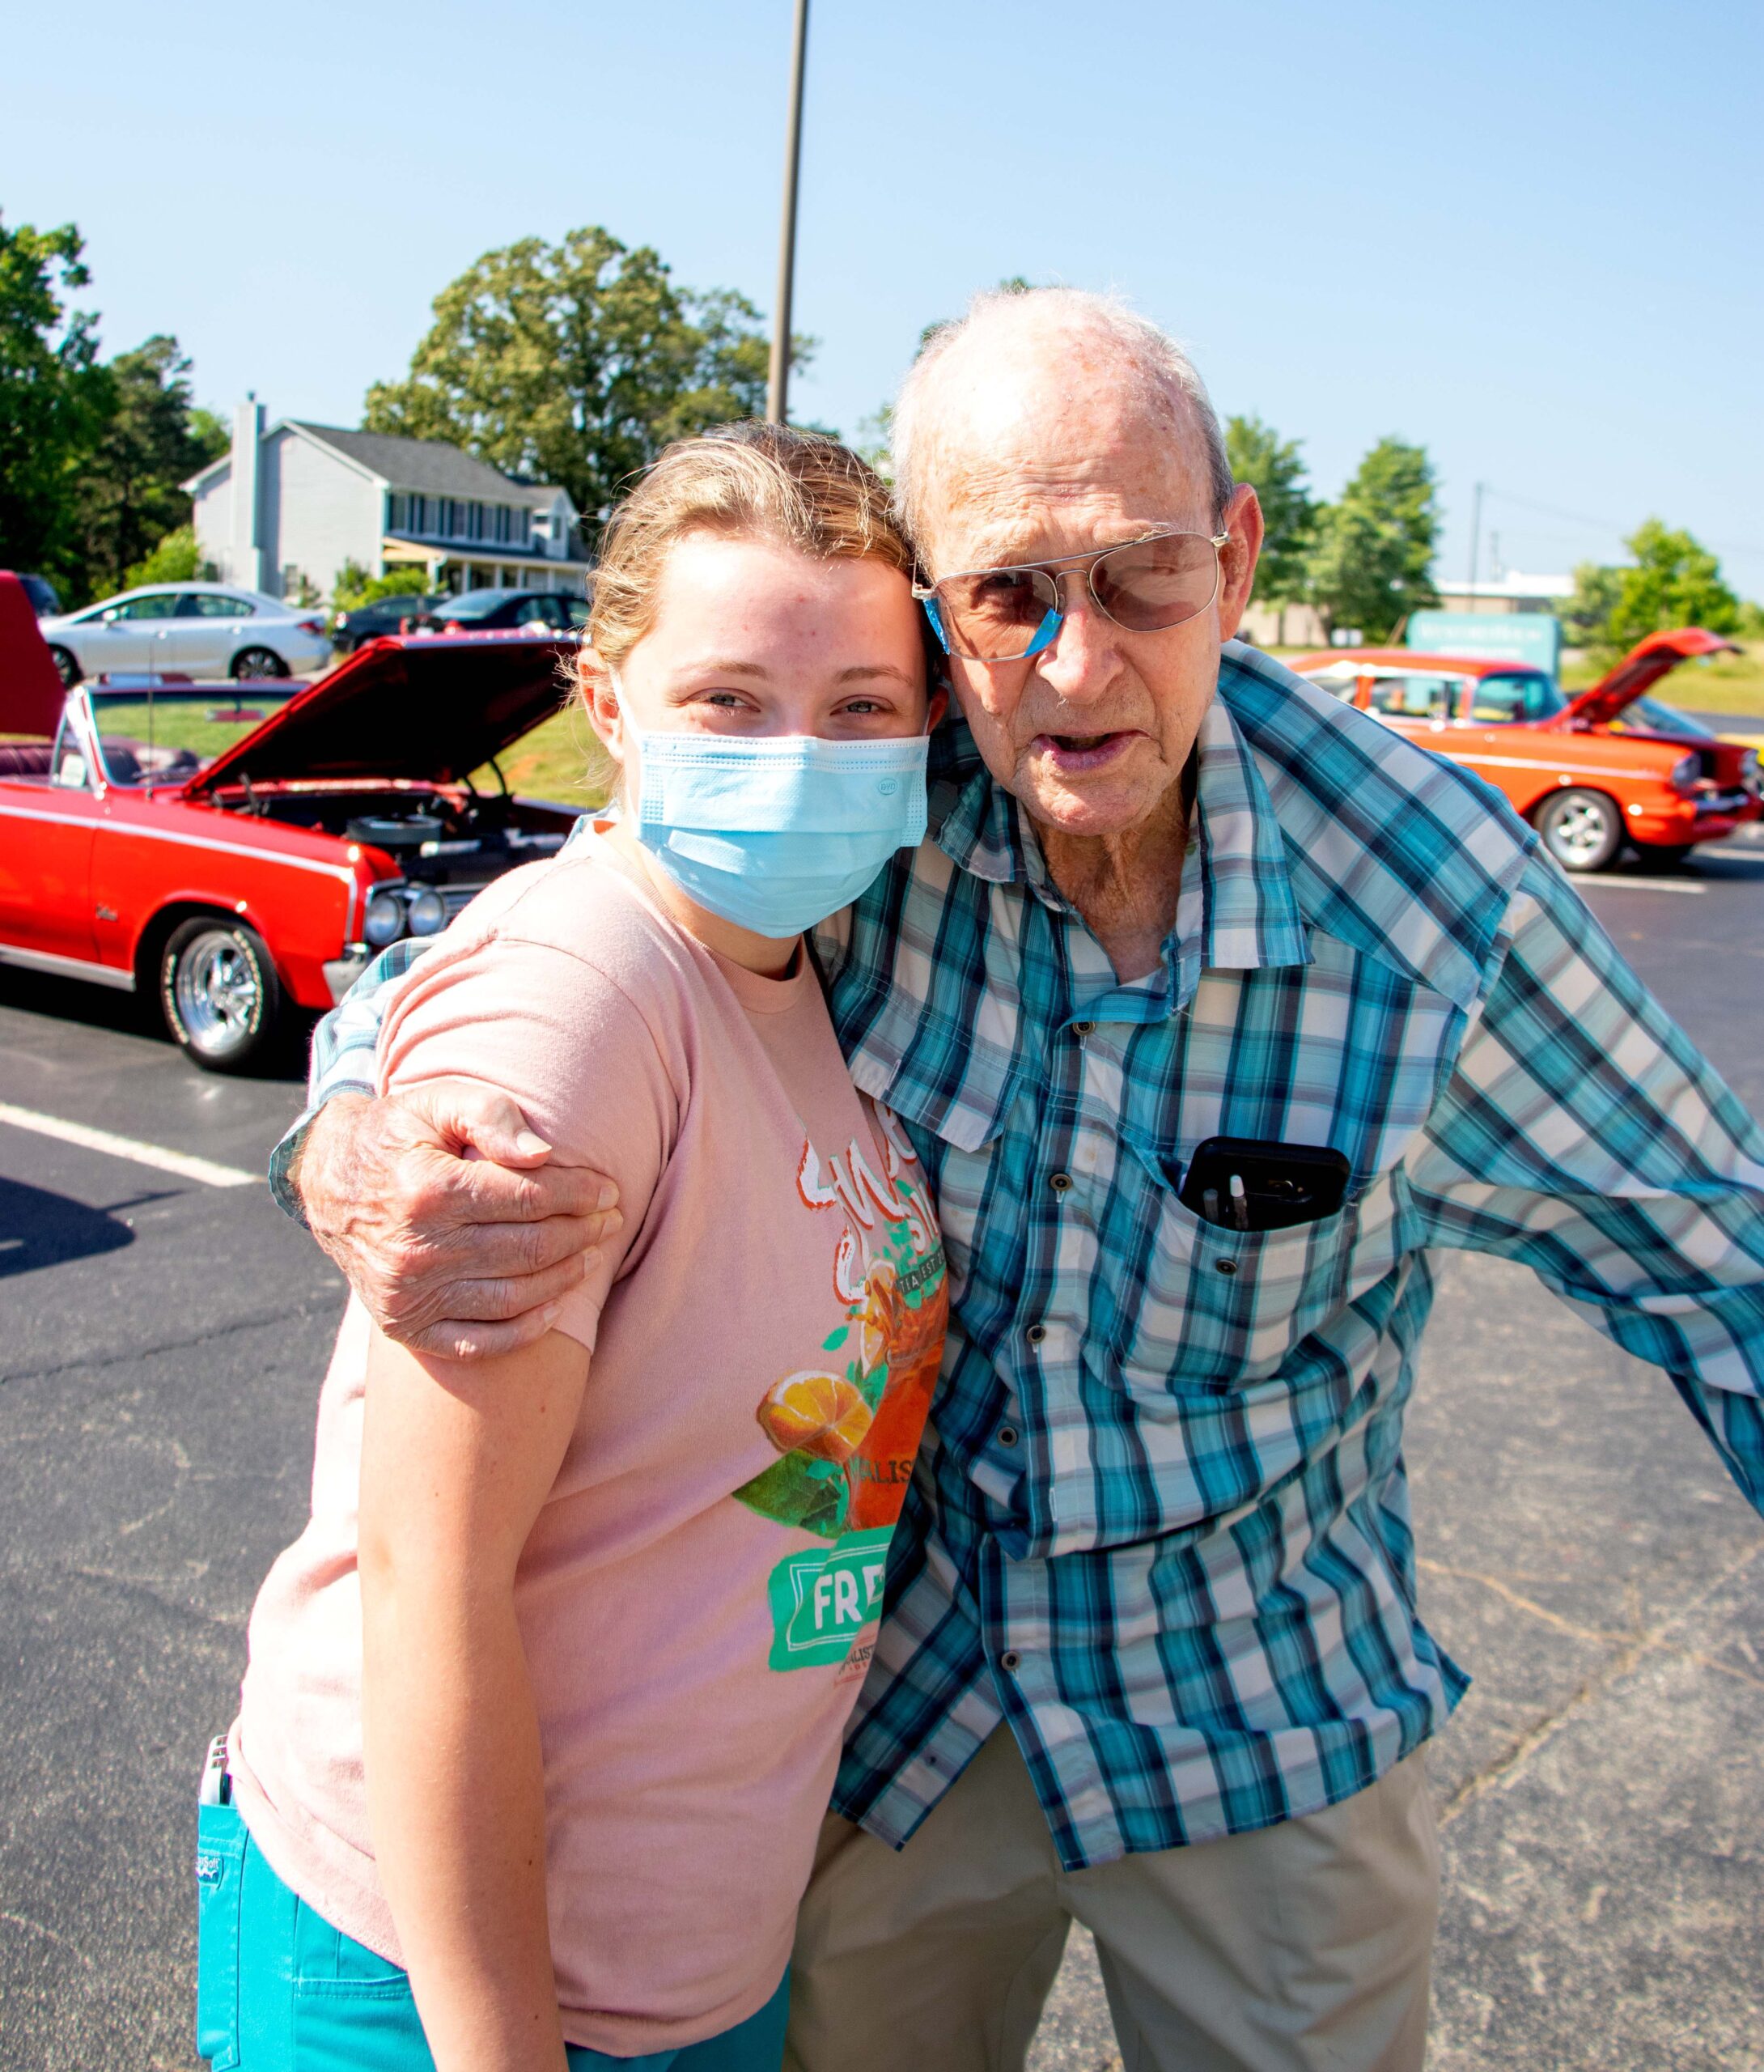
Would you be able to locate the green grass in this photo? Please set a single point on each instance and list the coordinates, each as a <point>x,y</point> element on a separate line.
<point>1724,683</point>
<point>559,759</point>
<point>169,724</point>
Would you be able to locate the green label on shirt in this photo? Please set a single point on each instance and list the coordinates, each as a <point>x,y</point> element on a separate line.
<point>822,1597</point>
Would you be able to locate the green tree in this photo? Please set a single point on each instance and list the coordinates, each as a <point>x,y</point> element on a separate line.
<point>1371,564</point>
<point>1274,468</point>
<point>128,498</point>
<point>174,559</point>
<point>1586,616</point>
<point>576,363</point>
<point>1675,582</point>
<point>53,398</point>
<point>355,587</point>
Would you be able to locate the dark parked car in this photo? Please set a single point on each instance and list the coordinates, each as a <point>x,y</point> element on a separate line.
<point>487,611</point>
<point>41,592</point>
<point>402,614</point>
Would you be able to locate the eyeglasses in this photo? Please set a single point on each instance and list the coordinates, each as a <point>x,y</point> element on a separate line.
<point>1147,586</point>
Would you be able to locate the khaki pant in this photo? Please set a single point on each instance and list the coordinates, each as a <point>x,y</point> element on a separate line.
<point>1303,1948</point>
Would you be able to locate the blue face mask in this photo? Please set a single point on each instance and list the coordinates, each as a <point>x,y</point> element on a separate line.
<point>776,834</point>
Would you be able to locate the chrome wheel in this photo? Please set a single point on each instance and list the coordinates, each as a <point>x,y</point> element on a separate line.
<point>66,667</point>
<point>219,992</point>
<point>1581,830</point>
<point>258,662</point>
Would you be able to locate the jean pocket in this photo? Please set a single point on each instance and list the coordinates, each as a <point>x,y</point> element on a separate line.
<point>220,1858</point>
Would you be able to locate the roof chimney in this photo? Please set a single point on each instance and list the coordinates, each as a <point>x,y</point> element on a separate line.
<point>246,556</point>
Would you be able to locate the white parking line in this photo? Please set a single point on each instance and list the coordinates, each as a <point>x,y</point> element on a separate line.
<point>186,1166</point>
<point>1647,884</point>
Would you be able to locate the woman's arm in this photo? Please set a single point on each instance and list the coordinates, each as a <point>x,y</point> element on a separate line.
<point>456,1460</point>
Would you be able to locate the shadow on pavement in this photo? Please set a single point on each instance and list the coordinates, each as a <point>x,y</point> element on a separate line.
<point>98,1007</point>
<point>39,1228</point>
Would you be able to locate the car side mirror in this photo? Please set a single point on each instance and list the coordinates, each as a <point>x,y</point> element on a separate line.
<point>111,617</point>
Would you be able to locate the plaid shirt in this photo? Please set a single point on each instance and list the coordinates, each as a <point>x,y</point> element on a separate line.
<point>1160,1524</point>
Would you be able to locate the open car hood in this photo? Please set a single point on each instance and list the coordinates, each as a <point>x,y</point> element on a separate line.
<point>430,709</point>
<point>30,692</point>
<point>1640,671</point>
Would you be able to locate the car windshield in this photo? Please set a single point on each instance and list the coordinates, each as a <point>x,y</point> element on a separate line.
<point>1647,716</point>
<point>158,736</point>
<point>1505,695</point>
<point>478,604</point>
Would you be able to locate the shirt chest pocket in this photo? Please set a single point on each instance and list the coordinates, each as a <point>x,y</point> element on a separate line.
<point>1193,1307</point>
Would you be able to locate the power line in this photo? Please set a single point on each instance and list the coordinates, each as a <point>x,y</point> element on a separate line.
<point>1583,518</point>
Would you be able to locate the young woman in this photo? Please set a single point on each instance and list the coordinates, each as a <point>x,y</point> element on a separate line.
<point>543,1707</point>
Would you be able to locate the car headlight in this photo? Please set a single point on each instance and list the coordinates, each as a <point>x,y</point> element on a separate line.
<point>385,919</point>
<point>428,913</point>
<point>1686,773</point>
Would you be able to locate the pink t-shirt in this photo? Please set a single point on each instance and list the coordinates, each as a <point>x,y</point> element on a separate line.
<point>698,1597</point>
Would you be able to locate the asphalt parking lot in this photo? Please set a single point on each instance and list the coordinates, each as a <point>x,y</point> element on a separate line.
<point>1583,1552</point>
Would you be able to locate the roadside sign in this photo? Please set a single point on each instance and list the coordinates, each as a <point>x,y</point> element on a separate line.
<point>1532,637</point>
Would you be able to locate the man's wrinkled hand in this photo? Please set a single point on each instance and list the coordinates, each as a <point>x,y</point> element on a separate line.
<point>455,1256</point>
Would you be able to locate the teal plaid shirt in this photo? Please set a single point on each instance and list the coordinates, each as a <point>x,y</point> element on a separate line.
<point>1160,1523</point>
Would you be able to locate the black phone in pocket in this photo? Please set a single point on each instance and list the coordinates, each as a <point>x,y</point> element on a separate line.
<point>1257,1183</point>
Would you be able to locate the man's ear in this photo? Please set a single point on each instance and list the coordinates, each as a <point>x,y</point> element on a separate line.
<point>1237,561</point>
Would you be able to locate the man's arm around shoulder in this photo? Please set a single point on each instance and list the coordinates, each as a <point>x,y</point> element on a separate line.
<point>439,1206</point>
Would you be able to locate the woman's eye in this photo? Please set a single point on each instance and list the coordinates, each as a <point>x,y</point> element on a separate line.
<point>725,701</point>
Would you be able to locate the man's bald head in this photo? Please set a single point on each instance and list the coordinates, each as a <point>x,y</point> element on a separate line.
<point>1036,378</point>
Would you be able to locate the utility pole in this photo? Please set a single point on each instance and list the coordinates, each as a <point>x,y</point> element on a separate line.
<point>777,385</point>
<point>1476,540</point>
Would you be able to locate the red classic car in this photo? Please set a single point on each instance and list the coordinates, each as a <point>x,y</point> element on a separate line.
<point>1592,772</point>
<point>231,882</point>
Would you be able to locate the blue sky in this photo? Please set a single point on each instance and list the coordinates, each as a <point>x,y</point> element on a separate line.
<point>1527,236</point>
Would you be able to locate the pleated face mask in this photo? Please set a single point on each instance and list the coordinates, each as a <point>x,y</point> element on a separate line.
<point>776,833</point>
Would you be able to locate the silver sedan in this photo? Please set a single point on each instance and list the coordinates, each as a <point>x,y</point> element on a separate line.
<point>188,629</point>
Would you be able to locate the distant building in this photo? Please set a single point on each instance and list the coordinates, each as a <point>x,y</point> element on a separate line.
<point>1300,626</point>
<point>1283,625</point>
<point>285,507</point>
<point>1511,593</point>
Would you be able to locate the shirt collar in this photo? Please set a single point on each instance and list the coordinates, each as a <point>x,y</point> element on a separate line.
<point>1238,910</point>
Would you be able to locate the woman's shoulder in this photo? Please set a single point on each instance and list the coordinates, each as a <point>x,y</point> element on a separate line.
<point>556,985</point>
<point>582,907</point>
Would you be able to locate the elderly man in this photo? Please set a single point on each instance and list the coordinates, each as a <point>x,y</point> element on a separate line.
<point>1152,1658</point>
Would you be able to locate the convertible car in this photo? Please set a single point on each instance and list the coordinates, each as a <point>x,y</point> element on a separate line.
<point>231,858</point>
<point>1591,772</point>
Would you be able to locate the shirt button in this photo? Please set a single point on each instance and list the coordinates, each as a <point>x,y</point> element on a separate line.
<point>1009,1661</point>
<point>1227,1266</point>
<point>1083,1028</point>
<point>1035,1333</point>
<point>1060,1181</point>
<point>1007,1435</point>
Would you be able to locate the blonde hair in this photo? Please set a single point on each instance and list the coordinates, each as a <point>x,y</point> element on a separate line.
<point>750,480</point>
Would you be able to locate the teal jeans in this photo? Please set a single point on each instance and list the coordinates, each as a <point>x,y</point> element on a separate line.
<point>278,1989</point>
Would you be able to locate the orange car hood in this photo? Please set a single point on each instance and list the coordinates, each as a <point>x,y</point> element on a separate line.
<point>428,709</point>
<point>1639,672</point>
<point>30,692</point>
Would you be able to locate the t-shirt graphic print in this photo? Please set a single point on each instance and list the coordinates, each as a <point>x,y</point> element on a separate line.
<point>847,1430</point>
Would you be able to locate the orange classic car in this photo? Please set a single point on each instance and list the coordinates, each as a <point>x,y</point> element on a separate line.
<point>1592,772</point>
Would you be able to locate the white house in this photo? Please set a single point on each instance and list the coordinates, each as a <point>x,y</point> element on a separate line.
<point>288,506</point>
